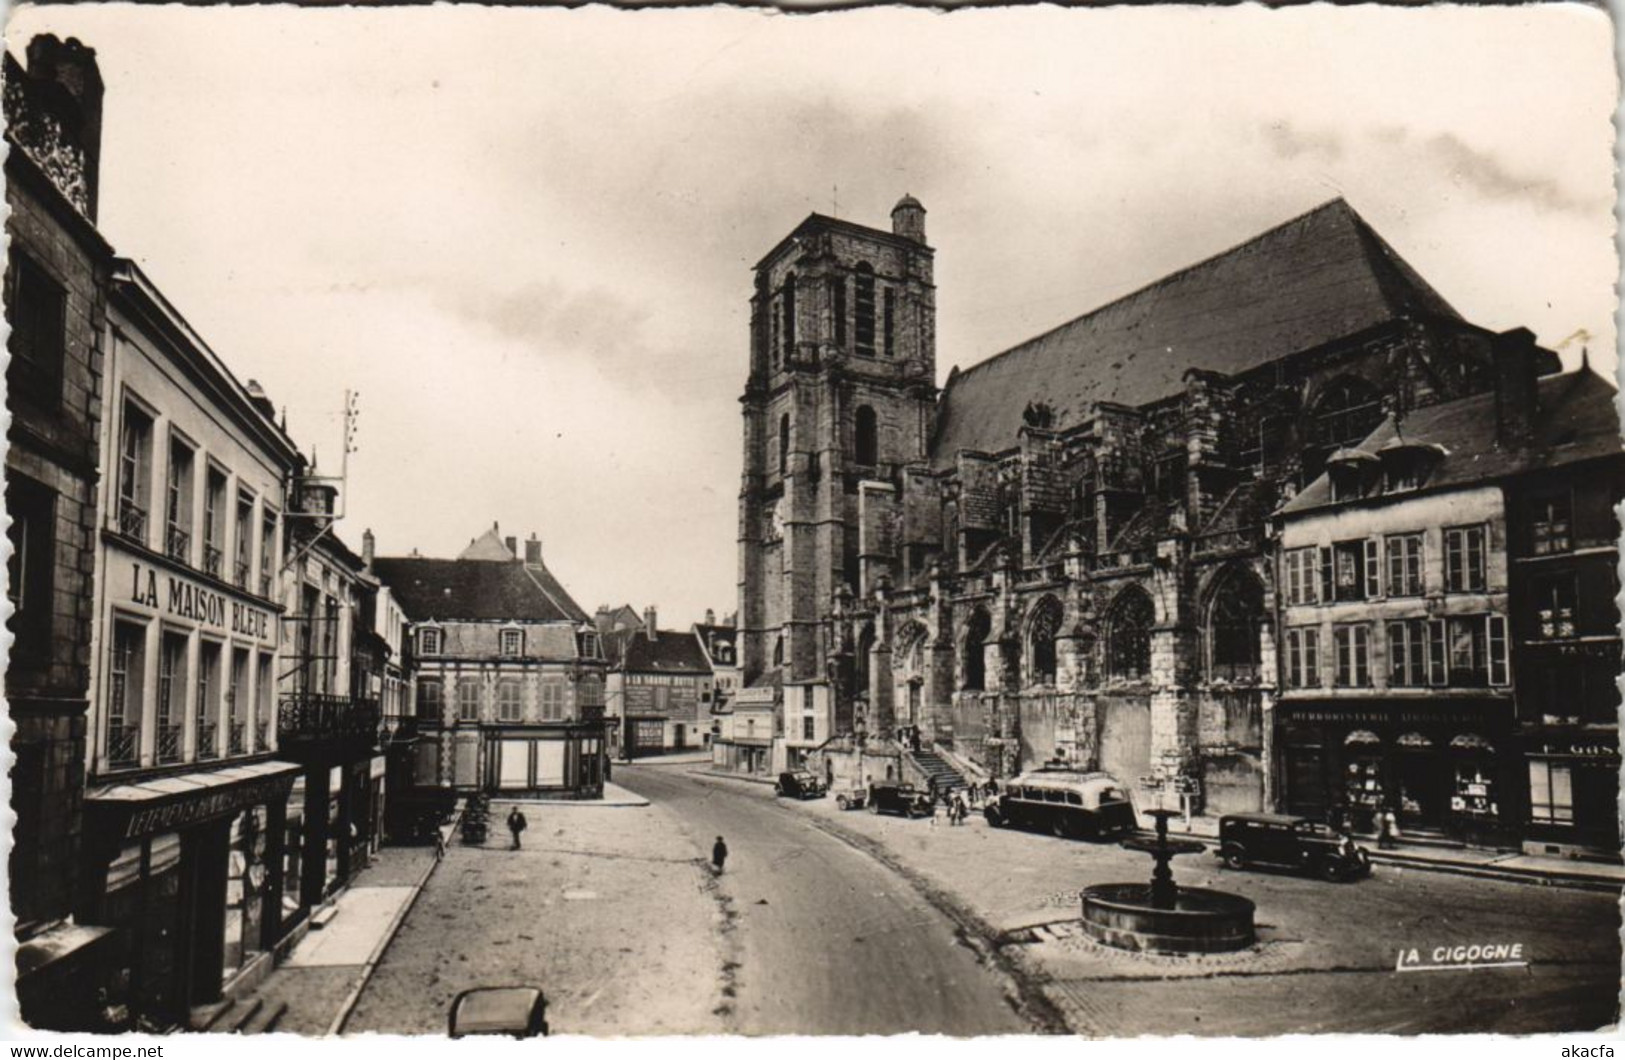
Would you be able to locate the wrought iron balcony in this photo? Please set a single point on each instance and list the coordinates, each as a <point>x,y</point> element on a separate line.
<point>169,743</point>
<point>123,745</point>
<point>132,519</point>
<point>213,560</point>
<point>308,717</point>
<point>208,746</point>
<point>237,739</point>
<point>178,544</point>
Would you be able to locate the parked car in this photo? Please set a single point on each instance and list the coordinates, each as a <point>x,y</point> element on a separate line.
<point>517,1011</point>
<point>800,784</point>
<point>903,799</point>
<point>853,798</point>
<point>1290,842</point>
<point>1064,802</point>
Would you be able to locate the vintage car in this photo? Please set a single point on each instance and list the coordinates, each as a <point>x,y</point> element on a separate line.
<point>1290,842</point>
<point>517,1011</point>
<point>903,799</point>
<point>800,784</point>
<point>854,798</point>
<point>1064,802</point>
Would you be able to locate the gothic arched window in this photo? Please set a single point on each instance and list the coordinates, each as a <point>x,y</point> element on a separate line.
<point>865,438</point>
<point>860,669</point>
<point>784,443</point>
<point>1128,647</point>
<point>864,286</point>
<point>789,314</point>
<point>778,651</point>
<point>1233,624</point>
<point>1041,633</point>
<point>1348,410</point>
<point>975,665</point>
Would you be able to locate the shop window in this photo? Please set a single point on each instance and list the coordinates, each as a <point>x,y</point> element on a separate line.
<point>1407,653</point>
<point>509,707</point>
<point>1551,792</point>
<point>588,646</point>
<point>429,641</point>
<point>1303,657</point>
<point>36,309</point>
<point>468,699</point>
<point>1353,646</point>
<point>135,472</point>
<point>31,571</point>
<point>1041,636</point>
<point>431,694</point>
<point>1555,599</point>
<point>1404,564</point>
<point>1129,640</point>
<point>1551,517</point>
<point>124,694</point>
<point>1474,791</point>
<point>864,288</point>
<point>178,505</point>
<point>553,699</point>
<point>1234,619</point>
<point>1300,576</point>
<point>513,643</point>
<point>214,523</point>
<point>1464,559</point>
<point>866,440</point>
<point>973,659</point>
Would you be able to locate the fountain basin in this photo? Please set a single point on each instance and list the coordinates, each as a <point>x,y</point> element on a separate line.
<point>1121,915</point>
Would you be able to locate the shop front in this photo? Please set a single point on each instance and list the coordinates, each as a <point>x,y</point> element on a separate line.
<point>1442,769</point>
<point>188,869</point>
<point>1573,778</point>
<point>560,761</point>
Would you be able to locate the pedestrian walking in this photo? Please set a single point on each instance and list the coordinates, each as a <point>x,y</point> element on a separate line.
<point>439,844</point>
<point>516,825</point>
<point>719,854</point>
<point>961,811</point>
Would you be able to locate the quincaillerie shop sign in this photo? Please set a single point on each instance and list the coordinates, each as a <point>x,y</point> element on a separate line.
<point>198,807</point>
<point>168,593</point>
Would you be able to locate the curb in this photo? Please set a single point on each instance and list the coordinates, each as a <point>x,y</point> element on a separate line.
<point>730,776</point>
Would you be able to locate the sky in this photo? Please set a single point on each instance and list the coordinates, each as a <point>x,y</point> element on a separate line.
<point>524,237</point>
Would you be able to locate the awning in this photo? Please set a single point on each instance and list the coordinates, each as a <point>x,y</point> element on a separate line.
<point>161,804</point>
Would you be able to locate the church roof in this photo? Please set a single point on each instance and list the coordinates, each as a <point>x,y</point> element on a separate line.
<point>1314,279</point>
<point>1576,420</point>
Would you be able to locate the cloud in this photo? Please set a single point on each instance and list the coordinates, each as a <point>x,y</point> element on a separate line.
<point>1488,175</point>
<point>1288,141</point>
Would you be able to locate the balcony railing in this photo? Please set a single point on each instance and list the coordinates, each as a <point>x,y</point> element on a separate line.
<point>239,576</point>
<point>123,745</point>
<point>178,544</point>
<point>213,559</point>
<point>132,519</point>
<point>262,734</point>
<point>208,746</point>
<point>169,743</point>
<point>237,739</point>
<point>310,717</point>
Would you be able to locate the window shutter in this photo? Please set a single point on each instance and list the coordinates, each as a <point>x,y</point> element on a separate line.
<point>1328,587</point>
<point>1438,673</point>
<point>1373,568</point>
<point>1453,581</point>
<point>1396,566</point>
<point>1498,649</point>
<point>1311,657</point>
<point>1475,559</point>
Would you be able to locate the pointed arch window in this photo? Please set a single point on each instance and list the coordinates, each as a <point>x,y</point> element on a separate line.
<point>1234,621</point>
<point>973,660</point>
<point>1129,646</point>
<point>865,441</point>
<point>864,289</point>
<point>1041,634</point>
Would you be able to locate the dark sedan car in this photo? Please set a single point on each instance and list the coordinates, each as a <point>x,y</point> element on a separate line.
<point>800,784</point>
<point>903,799</point>
<point>1289,842</point>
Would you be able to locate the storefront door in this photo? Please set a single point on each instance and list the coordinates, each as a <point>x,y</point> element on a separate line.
<point>1424,782</point>
<point>1306,781</point>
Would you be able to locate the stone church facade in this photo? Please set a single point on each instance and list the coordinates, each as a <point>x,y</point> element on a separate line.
<point>1064,554</point>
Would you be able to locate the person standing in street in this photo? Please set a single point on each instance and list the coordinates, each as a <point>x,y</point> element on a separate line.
<point>516,825</point>
<point>719,854</point>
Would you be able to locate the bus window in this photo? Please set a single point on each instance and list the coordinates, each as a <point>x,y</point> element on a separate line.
<point>1054,796</point>
<point>1074,799</point>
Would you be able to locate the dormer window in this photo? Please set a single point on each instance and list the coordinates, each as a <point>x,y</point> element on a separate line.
<point>429,642</point>
<point>1350,473</point>
<point>513,643</point>
<point>1405,465</point>
<point>589,645</point>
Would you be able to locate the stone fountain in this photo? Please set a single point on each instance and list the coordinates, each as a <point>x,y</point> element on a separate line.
<point>1164,917</point>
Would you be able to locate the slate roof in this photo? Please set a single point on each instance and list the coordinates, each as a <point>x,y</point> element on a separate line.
<point>452,589</point>
<point>1576,420</point>
<point>718,635</point>
<point>1314,279</point>
<point>671,652</point>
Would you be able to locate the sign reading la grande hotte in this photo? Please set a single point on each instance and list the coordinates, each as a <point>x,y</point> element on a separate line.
<point>186,599</point>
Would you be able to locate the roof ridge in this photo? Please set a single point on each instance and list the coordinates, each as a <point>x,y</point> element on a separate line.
<point>571,612</point>
<point>1394,275</point>
<point>1166,278</point>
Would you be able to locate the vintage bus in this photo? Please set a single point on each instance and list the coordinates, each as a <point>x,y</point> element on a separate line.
<point>1065,803</point>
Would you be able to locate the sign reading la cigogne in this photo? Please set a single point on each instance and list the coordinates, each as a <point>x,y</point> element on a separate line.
<point>185,599</point>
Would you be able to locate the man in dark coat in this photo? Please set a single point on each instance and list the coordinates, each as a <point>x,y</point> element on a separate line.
<point>516,824</point>
<point>719,854</point>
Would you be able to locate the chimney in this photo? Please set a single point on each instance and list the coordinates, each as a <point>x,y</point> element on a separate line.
<point>649,622</point>
<point>1517,387</point>
<point>533,550</point>
<point>513,546</point>
<point>710,617</point>
<point>69,88</point>
<point>368,545</point>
